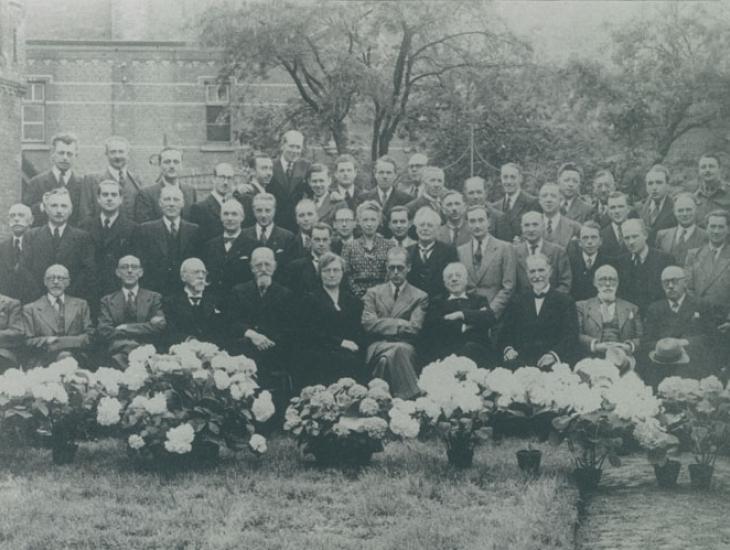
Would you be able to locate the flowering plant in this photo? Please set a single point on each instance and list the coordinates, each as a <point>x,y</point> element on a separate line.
<point>346,422</point>
<point>457,404</point>
<point>195,399</point>
<point>698,410</point>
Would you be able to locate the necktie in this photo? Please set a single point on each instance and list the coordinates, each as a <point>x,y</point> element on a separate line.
<point>56,238</point>
<point>17,250</point>
<point>674,305</point>
<point>681,235</point>
<point>549,227</point>
<point>306,241</point>
<point>130,308</point>
<point>396,292</point>
<point>262,236</point>
<point>589,262</point>
<point>653,212</point>
<point>228,242</point>
<point>533,249</point>
<point>107,223</point>
<point>61,323</point>
<point>636,260</point>
<point>289,169</point>
<point>620,234</point>
<point>62,178</point>
<point>539,295</point>
<point>424,254</point>
<point>564,208</point>
<point>262,291</point>
<point>195,301</point>
<point>478,254</point>
<point>505,206</point>
<point>173,230</point>
<point>121,178</point>
<point>606,312</point>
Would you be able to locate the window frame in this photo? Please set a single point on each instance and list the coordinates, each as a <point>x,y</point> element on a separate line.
<point>31,100</point>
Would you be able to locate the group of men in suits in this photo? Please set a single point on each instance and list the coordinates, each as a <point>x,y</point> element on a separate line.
<point>521,279</point>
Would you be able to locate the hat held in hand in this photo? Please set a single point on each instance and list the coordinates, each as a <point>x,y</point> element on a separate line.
<point>670,351</point>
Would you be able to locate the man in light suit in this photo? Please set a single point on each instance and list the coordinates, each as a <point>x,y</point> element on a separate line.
<point>491,264</point>
<point>288,183</point>
<point>64,148</point>
<point>147,206</point>
<point>11,332</point>
<point>605,321</point>
<point>456,230</point>
<point>429,257</point>
<point>227,256</point>
<point>558,229</point>
<point>411,184</point>
<point>572,205</point>
<point>432,189</point>
<point>15,279</point>
<point>117,154</point>
<point>131,316</point>
<point>712,193</point>
<point>57,242</point>
<point>658,210</point>
<point>475,194</point>
<point>266,233</point>
<point>320,183</point>
<point>163,244</point>
<point>586,256</point>
<point>57,325</point>
<point>515,203</point>
<point>207,213</point>
<point>679,240</point>
<point>392,317</point>
<point>385,173</point>
<point>533,229</point>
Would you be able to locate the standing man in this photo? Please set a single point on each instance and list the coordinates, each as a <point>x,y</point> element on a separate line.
<point>679,240</point>
<point>147,206</point>
<point>320,184</point>
<point>514,204</point>
<point>344,226</point>
<point>429,257</point>
<point>712,193</point>
<point>490,263</point>
<point>455,231</point>
<point>412,184</point>
<point>392,317</point>
<point>586,256</point>
<point>385,173</point>
<point>207,213</point>
<point>658,210</point>
<point>306,214</point>
<point>227,255</point>
<point>345,175</point>
<point>433,186</point>
<point>117,153</point>
<point>572,205</point>
<point>475,194</point>
<point>64,148</point>
<point>612,236</point>
<point>399,225</point>
<point>603,185</point>
<point>266,233</point>
<point>532,244</point>
<point>15,279</point>
<point>558,229</point>
<point>288,183</point>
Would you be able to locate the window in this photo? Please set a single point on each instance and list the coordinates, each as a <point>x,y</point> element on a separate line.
<point>33,112</point>
<point>217,111</point>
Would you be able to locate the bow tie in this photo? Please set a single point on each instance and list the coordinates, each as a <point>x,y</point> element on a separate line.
<point>539,295</point>
<point>229,239</point>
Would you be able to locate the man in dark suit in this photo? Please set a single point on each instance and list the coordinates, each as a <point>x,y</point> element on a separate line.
<point>540,326</point>
<point>193,311</point>
<point>345,186</point>
<point>207,213</point>
<point>515,203</point>
<point>325,201</point>
<point>228,255</point>
<point>111,232</point>
<point>301,273</point>
<point>612,237</point>
<point>57,325</point>
<point>288,183</point>
<point>585,256</point>
<point>117,154</point>
<point>59,243</point>
<point>533,229</point>
<point>432,188</point>
<point>261,168</point>
<point>678,241</point>
<point>604,185</point>
<point>15,279</point>
<point>306,215</point>
<point>11,332</point>
<point>266,233</point>
<point>344,228</point>
<point>559,229</point>
<point>384,194</point>
<point>147,207</point>
<point>429,257</point>
<point>640,270</point>
<point>131,316</point>
<point>475,194</point>
<point>64,147</point>
<point>712,193</point>
<point>163,244</point>
<point>572,205</point>
<point>459,322</point>
<point>658,210</point>
<point>455,231</point>
<point>260,321</point>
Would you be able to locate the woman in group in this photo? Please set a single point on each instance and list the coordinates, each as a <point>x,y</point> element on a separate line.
<point>331,322</point>
<point>366,256</point>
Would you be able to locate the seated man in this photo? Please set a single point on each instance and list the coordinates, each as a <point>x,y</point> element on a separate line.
<point>11,332</point>
<point>393,314</point>
<point>16,281</point>
<point>57,325</point>
<point>459,322</point>
<point>131,316</point>
<point>260,320</point>
<point>606,322</point>
<point>540,326</point>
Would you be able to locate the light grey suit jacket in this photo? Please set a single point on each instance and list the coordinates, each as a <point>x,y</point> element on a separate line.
<point>40,321</point>
<point>590,322</point>
<point>708,280</point>
<point>463,234</point>
<point>111,315</point>
<point>326,211</point>
<point>666,241</point>
<point>565,231</point>
<point>561,278</point>
<point>496,277</point>
<point>11,327</point>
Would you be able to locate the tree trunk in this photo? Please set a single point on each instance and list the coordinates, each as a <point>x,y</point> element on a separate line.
<point>340,137</point>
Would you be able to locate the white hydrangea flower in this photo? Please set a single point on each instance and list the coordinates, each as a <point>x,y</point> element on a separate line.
<point>258,443</point>
<point>180,439</point>
<point>263,407</point>
<point>140,355</point>
<point>429,407</point>
<point>379,383</point>
<point>157,404</point>
<point>109,378</point>
<point>369,407</point>
<point>135,442</point>
<point>13,383</point>
<point>221,379</point>
<point>404,425</point>
<point>134,376</point>
<point>50,391</point>
<point>107,413</point>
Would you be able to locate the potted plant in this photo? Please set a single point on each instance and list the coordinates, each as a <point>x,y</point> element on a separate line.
<point>653,437</point>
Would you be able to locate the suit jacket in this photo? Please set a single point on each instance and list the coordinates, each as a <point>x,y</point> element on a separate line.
<point>496,277</point>
<point>227,269</point>
<point>610,245</point>
<point>444,337</point>
<point>204,322</point>
<point>270,315</point>
<point>11,328</point>
<point>112,314</point>
<point>281,241</point>
<point>147,205</point>
<point>288,191</point>
<point>40,320</point>
<point>207,215</point>
<point>664,220</point>
<point>661,322</point>
<point>416,204</point>
<point>666,241</point>
<point>44,182</point>
<point>708,281</point>
<point>580,211</point>
<point>564,232</point>
<point>561,278</point>
<point>641,285</point>
<point>428,276</point>
<point>384,319</point>
<point>301,277</point>
<point>16,281</point>
<point>324,326</point>
<point>161,264</point>
<point>582,278</point>
<point>590,322</point>
<point>89,207</point>
<point>75,252</point>
<point>463,234</point>
<point>509,225</point>
<point>396,198</point>
<point>109,246</point>
<point>533,335</point>
<point>326,210</point>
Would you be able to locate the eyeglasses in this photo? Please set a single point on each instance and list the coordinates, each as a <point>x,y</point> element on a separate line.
<point>130,267</point>
<point>396,268</point>
<point>57,278</point>
<point>673,281</point>
<point>607,281</point>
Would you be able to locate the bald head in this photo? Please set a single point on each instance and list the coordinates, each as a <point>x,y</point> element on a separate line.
<point>292,145</point>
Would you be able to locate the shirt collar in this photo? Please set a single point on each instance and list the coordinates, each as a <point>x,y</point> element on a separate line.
<point>346,191</point>
<point>393,287</point>
<point>543,291</point>
<point>112,219</point>
<point>679,302</point>
<point>113,172</point>
<point>428,247</point>
<point>190,294</point>
<point>715,249</point>
<point>385,194</point>
<point>57,174</point>
<point>538,246</point>
<point>234,236</point>
<point>475,241</point>
<point>457,296</point>
<point>134,291</point>
<point>261,230</point>
<point>52,299</point>
<point>61,228</point>
<point>285,163</point>
<point>555,219</point>
<point>643,254</point>
<point>168,223</point>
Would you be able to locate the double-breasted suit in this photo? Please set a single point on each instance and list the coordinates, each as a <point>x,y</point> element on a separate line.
<point>495,278</point>
<point>281,241</point>
<point>582,286</point>
<point>147,205</point>
<point>428,275</point>
<point>641,284</point>
<point>204,322</point>
<point>509,225</point>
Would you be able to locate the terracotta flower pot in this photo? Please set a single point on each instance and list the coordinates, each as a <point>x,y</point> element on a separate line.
<point>587,478</point>
<point>666,474</point>
<point>529,461</point>
<point>700,476</point>
<point>461,455</point>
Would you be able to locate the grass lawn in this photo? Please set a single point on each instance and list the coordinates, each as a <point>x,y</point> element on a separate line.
<point>408,499</point>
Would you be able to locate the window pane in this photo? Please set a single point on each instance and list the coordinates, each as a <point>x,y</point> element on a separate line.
<point>38,89</point>
<point>218,123</point>
<point>32,132</point>
<point>216,93</point>
<point>33,113</point>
